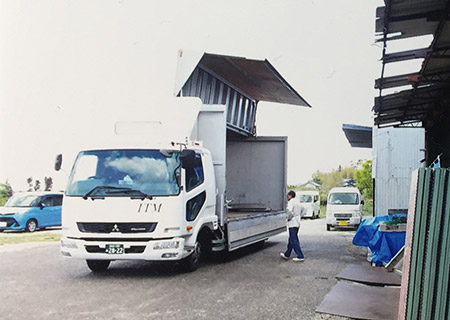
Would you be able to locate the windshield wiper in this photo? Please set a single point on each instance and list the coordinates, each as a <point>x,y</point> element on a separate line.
<point>119,190</point>
<point>138,194</point>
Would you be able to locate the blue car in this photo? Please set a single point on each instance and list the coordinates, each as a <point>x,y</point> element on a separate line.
<point>31,210</point>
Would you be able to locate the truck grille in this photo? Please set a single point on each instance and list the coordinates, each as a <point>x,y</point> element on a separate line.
<point>116,227</point>
<point>342,215</point>
<point>131,249</point>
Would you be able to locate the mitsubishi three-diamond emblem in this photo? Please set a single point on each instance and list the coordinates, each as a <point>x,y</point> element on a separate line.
<point>115,228</point>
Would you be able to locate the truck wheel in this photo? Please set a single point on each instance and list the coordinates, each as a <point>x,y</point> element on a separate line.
<point>328,227</point>
<point>31,225</point>
<point>98,265</point>
<point>192,262</point>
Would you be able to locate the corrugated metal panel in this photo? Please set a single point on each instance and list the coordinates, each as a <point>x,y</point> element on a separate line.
<point>237,82</point>
<point>426,267</point>
<point>241,109</point>
<point>397,152</point>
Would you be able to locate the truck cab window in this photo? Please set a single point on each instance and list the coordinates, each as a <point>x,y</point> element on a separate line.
<point>194,174</point>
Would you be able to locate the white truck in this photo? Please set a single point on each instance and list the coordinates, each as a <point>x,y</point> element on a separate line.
<point>216,187</point>
<point>310,199</point>
<point>344,207</point>
<point>169,202</point>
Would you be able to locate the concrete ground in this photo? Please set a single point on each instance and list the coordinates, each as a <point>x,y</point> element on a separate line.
<point>38,283</point>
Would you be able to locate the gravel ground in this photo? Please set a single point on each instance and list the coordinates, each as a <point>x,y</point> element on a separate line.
<point>38,283</point>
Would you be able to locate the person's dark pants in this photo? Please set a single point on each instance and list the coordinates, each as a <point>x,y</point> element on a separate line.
<point>294,244</point>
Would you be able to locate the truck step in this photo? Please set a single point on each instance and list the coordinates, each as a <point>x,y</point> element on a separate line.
<point>218,245</point>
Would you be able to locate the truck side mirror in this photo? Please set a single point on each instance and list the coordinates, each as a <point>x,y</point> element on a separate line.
<point>187,158</point>
<point>362,202</point>
<point>58,162</point>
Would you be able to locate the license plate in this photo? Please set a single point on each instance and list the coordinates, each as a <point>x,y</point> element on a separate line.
<point>343,223</point>
<point>3,224</point>
<point>114,249</point>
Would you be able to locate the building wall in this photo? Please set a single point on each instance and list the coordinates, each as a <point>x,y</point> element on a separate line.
<point>396,154</point>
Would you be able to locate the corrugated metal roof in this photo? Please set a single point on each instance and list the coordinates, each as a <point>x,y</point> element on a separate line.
<point>258,79</point>
<point>358,136</point>
<point>401,19</point>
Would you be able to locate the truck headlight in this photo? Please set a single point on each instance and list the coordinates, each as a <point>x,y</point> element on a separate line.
<point>166,245</point>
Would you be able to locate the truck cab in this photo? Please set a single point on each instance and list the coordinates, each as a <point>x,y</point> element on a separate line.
<point>344,207</point>
<point>142,204</point>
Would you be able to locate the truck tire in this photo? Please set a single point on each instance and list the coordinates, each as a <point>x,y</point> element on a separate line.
<point>192,262</point>
<point>328,227</point>
<point>98,265</point>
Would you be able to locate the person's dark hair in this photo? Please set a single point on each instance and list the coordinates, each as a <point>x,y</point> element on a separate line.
<point>292,193</point>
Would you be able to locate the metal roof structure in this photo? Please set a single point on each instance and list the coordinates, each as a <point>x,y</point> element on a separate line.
<point>239,83</point>
<point>401,19</point>
<point>358,136</point>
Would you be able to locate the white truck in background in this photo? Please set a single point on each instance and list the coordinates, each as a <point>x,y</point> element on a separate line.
<point>344,207</point>
<point>310,199</point>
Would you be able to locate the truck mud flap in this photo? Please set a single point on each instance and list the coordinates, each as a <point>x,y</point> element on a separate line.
<point>251,229</point>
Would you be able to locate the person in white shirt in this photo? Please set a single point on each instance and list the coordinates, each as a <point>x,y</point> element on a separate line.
<point>295,211</point>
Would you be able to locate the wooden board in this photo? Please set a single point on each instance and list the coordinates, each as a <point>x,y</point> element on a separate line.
<point>365,273</point>
<point>358,301</point>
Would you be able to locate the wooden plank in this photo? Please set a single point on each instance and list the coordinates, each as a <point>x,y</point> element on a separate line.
<point>383,301</point>
<point>408,244</point>
<point>365,273</point>
<point>395,260</point>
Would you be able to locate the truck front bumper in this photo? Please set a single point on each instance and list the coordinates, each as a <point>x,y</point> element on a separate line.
<point>343,222</point>
<point>123,249</point>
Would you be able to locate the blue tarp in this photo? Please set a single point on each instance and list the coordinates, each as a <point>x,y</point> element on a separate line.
<point>383,245</point>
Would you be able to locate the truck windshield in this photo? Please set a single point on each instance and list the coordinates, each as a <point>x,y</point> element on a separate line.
<point>23,200</point>
<point>305,198</point>
<point>115,173</point>
<point>344,198</point>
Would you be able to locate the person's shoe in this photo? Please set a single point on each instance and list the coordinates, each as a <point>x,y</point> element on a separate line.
<point>298,259</point>
<point>283,256</point>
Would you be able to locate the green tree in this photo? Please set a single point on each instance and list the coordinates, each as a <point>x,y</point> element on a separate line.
<point>30,184</point>
<point>316,178</point>
<point>48,182</point>
<point>332,179</point>
<point>37,185</point>
<point>363,179</point>
<point>5,192</point>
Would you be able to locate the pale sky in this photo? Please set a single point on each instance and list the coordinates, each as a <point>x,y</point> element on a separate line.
<point>70,69</point>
